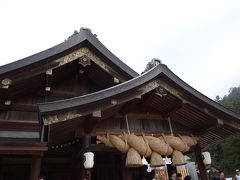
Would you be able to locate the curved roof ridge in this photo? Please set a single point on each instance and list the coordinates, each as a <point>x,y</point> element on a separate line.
<point>198,94</point>
<point>125,86</point>
<point>84,35</point>
<point>105,51</point>
<point>120,88</point>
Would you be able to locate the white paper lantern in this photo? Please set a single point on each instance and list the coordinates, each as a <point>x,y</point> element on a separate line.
<point>89,160</point>
<point>206,158</point>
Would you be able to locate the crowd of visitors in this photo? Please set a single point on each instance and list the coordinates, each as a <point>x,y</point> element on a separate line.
<point>178,176</point>
<point>221,176</point>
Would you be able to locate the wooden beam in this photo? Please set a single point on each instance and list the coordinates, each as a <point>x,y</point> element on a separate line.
<point>10,148</point>
<point>100,148</point>
<point>203,110</point>
<point>18,121</point>
<point>150,116</point>
<point>92,120</point>
<point>35,167</point>
<point>28,159</point>
<point>140,134</point>
<point>19,134</point>
<point>22,152</point>
<point>20,107</point>
<point>10,143</point>
<point>30,125</point>
<point>58,93</point>
<point>201,166</point>
<point>86,173</point>
<point>23,146</point>
<point>79,132</point>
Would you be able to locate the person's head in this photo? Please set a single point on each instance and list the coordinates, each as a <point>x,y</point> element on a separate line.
<point>187,178</point>
<point>41,178</point>
<point>238,172</point>
<point>221,174</point>
<point>173,174</point>
<point>179,176</point>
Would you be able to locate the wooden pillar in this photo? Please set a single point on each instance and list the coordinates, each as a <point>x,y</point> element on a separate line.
<point>35,167</point>
<point>86,173</point>
<point>201,166</point>
<point>76,164</point>
<point>126,173</point>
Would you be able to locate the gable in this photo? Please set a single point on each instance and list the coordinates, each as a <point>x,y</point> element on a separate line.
<point>78,63</point>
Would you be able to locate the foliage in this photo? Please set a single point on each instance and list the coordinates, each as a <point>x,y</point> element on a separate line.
<point>226,155</point>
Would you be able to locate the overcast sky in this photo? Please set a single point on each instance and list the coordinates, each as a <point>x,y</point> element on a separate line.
<point>198,40</point>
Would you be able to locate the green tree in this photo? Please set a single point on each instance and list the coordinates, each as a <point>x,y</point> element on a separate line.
<point>226,155</point>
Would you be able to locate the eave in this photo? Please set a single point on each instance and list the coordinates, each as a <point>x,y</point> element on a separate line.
<point>201,115</point>
<point>161,73</point>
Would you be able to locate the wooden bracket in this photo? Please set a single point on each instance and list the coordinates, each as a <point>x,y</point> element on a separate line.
<point>203,110</point>
<point>84,61</point>
<point>92,120</point>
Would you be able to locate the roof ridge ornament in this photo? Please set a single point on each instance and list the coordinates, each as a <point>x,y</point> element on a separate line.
<point>76,32</point>
<point>154,62</point>
<point>85,29</point>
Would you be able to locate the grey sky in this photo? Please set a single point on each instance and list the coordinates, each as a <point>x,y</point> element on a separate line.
<point>198,40</point>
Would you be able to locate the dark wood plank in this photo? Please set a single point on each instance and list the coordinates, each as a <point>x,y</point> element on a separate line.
<point>35,167</point>
<point>20,107</point>
<point>201,166</point>
<point>135,115</point>
<point>101,148</point>
<point>12,148</point>
<point>30,125</point>
<point>23,146</point>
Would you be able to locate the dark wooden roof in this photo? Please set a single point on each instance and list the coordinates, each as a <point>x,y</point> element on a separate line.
<point>83,38</point>
<point>152,97</point>
<point>162,92</point>
<point>160,71</point>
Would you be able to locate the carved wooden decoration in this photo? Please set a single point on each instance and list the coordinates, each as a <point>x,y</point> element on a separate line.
<point>116,80</point>
<point>161,91</point>
<point>52,119</point>
<point>6,82</point>
<point>85,52</point>
<point>150,86</point>
<point>85,57</point>
<point>85,61</point>
<point>7,102</point>
<point>49,72</point>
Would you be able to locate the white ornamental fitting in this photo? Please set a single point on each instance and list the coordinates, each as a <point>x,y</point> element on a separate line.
<point>206,158</point>
<point>88,160</point>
